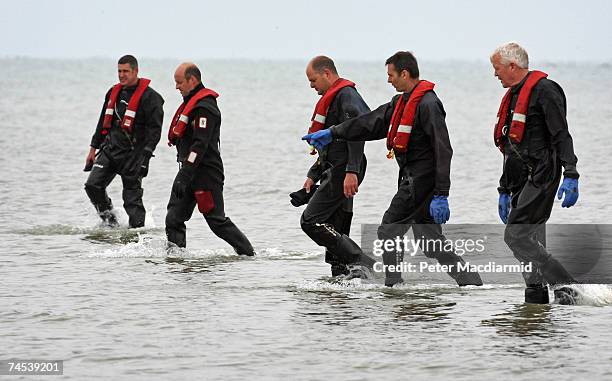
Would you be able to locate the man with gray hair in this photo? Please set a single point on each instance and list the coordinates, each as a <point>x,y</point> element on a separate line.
<point>532,133</point>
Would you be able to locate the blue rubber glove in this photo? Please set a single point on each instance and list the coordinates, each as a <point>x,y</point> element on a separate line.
<point>504,206</point>
<point>439,209</point>
<point>319,139</point>
<point>570,188</point>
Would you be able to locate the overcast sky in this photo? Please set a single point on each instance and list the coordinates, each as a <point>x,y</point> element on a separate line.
<point>350,30</point>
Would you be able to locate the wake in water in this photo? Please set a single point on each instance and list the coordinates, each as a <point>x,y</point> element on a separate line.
<point>339,284</point>
<point>598,295</point>
<point>149,243</point>
<point>95,234</point>
<point>100,232</point>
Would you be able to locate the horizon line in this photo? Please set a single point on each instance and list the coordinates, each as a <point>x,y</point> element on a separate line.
<point>293,59</point>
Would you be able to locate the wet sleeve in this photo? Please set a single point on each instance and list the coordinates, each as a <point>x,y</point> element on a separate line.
<point>552,100</point>
<point>315,172</point>
<point>97,139</point>
<point>431,119</point>
<point>205,124</point>
<point>352,106</point>
<point>373,125</point>
<point>154,116</point>
<point>503,184</point>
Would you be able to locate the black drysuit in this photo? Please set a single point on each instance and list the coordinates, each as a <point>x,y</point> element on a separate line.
<point>329,213</point>
<point>124,154</point>
<point>202,173</point>
<point>424,171</point>
<point>531,175</point>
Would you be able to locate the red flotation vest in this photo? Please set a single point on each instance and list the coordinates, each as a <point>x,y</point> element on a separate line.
<point>519,117</point>
<point>402,120</point>
<point>181,116</point>
<point>130,112</point>
<point>320,112</point>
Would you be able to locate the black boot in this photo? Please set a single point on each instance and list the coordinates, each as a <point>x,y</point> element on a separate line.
<point>390,282</point>
<point>103,205</point>
<point>348,252</point>
<point>132,203</point>
<point>249,252</point>
<point>466,278</point>
<point>537,294</point>
<point>463,277</point>
<point>338,269</point>
<point>392,259</point>
<point>109,218</point>
<point>176,237</point>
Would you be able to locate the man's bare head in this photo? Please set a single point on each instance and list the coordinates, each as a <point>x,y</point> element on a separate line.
<point>321,73</point>
<point>187,77</point>
<point>510,63</point>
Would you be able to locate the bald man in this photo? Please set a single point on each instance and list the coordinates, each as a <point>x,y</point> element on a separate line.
<point>339,168</point>
<point>195,132</point>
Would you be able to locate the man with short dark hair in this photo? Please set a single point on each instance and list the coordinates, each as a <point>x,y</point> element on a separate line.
<point>195,130</point>
<point>127,133</point>
<point>130,60</point>
<point>417,137</point>
<point>340,167</point>
<point>533,136</point>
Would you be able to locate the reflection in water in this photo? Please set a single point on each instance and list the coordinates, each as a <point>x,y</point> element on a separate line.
<point>541,328</point>
<point>423,311</point>
<point>119,236</point>
<point>341,306</point>
<point>194,265</point>
<point>418,305</point>
<point>527,320</point>
<point>331,307</point>
<point>59,229</point>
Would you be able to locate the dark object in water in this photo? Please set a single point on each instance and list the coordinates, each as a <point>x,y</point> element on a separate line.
<point>537,294</point>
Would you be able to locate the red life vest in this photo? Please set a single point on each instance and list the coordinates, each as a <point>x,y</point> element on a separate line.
<point>320,112</point>
<point>517,126</point>
<point>403,118</point>
<point>181,116</point>
<point>130,112</point>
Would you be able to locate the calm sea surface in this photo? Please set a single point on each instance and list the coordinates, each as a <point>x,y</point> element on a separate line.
<point>113,305</point>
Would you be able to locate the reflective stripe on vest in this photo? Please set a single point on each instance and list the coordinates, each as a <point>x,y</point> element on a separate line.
<point>132,107</point>
<point>402,120</point>
<point>181,116</point>
<point>519,118</point>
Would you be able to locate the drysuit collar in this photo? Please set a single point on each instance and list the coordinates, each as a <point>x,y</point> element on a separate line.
<point>199,87</point>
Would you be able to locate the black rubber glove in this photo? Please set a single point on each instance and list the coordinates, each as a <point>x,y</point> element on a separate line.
<point>182,181</point>
<point>144,166</point>
<point>301,197</point>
